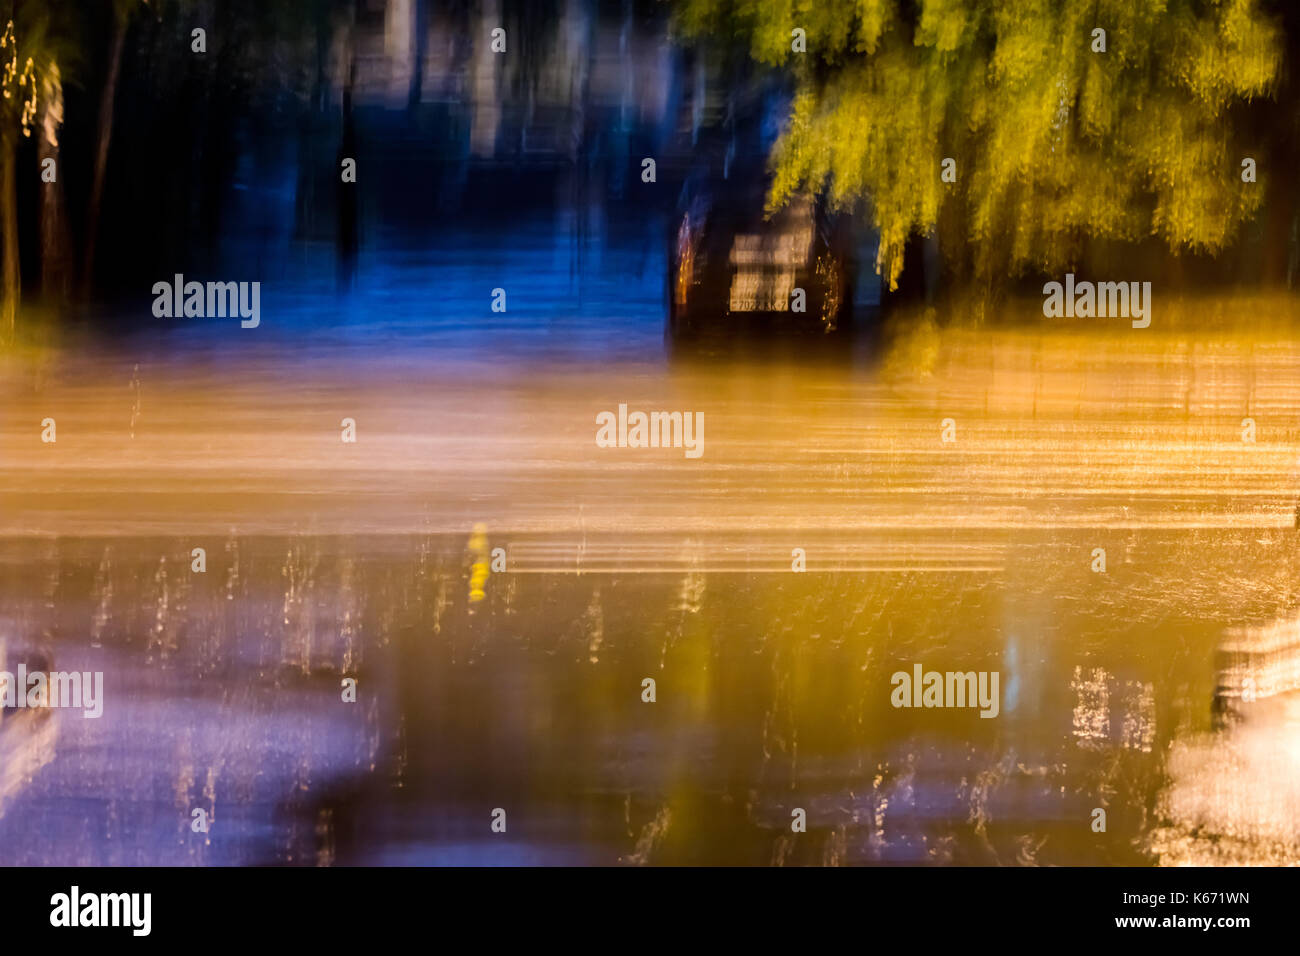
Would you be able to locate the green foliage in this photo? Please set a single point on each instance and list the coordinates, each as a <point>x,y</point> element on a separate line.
<point>1054,142</point>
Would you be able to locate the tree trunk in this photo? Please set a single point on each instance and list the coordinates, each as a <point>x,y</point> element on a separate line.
<point>1278,214</point>
<point>10,276</point>
<point>416,92</point>
<point>1276,152</point>
<point>55,244</point>
<point>101,149</point>
<point>348,238</point>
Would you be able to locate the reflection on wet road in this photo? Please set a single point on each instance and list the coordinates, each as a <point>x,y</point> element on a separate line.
<point>327,559</point>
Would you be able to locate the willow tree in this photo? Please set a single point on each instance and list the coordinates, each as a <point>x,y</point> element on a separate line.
<point>29,82</point>
<point>1064,121</point>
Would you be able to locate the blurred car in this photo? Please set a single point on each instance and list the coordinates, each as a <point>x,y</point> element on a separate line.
<point>734,269</point>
